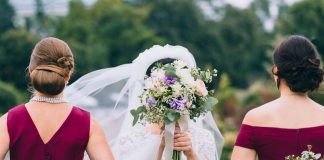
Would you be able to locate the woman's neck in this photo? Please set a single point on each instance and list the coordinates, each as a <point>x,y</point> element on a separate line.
<point>38,94</point>
<point>285,91</point>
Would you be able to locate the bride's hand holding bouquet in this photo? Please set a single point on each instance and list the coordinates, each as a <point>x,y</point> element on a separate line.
<point>173,94</point>
<point>182,143</point>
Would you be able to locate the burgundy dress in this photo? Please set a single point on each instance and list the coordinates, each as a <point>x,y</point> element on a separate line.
<point>277,143</point>
<point>68,143</point>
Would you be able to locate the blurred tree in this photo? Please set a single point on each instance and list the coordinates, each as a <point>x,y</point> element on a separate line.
<point>15,50</point>
<point>7,14</point>
<point>121,29</point>
<point>243,46</point>
<point>238,39</point>
<point>41,24</point>
<point>261,8</point>
<point>76,29</point>
<point>305,18</point>
<point>9,97</point>
<point>110,29</point>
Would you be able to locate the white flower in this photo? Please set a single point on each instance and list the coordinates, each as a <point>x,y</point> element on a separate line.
<point>185,76</point>
<point>177,89</point>
<point>159,73</point>
<point>179,64</point>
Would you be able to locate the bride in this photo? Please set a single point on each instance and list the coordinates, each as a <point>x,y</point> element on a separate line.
<point>111,93</point>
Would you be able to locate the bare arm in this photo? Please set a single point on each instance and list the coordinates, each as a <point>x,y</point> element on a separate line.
<point>98,148</point>
<point>161,149</point>
<point>239,152</point>
<point>4,137</point>
<point>251,117</point>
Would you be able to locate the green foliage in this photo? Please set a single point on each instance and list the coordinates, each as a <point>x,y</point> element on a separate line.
<point>226,96</point>
<point>136,113</point>
<point>305,18</point>
<point>7,14</point>
<point>15,50</point>
<point>244,48</point>
<point>318,96</point>
<point>109,29</point>
<point>171,116</point>
<point>210,103</point>
<point>9,96</point>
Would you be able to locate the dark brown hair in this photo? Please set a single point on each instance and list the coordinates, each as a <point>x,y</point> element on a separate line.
<point>50,64</point>
<point>298,63</point>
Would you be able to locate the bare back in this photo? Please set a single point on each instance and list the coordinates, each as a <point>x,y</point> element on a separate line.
<point>48,118</point>
<point>287,112</point>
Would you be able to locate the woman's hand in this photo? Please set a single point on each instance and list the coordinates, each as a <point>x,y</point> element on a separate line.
<point>182,142</point>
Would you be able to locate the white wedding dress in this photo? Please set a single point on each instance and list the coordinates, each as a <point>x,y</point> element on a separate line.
<point>109,94</point>
<point>141,144</point>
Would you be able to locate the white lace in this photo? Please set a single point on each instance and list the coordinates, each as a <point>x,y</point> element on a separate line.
<point>142,144</point>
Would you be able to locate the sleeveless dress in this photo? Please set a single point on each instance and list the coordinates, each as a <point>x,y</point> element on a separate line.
<point>68,143</point>
<point>277,143</point>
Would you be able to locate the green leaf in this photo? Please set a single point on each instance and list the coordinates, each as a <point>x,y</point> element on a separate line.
<point>170,71</point>
<point>171,116</point>
<point>210,102</point>
<point>141,109</point>
<point>137,114</point>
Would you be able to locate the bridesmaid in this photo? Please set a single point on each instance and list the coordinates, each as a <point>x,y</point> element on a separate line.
<point>47,127</point>
<point>288,124</point>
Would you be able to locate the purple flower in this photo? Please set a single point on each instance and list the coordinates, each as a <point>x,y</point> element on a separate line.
<point>184,100</point>
<point>151,102</point>
<point>176,104</point>
<point>169,80</point>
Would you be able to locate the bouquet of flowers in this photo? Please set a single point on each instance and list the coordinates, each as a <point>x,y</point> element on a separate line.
<point>306,155</point>
<point>174,90</point>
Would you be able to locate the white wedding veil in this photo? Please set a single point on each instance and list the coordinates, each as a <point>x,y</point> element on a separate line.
<point>109,94</point>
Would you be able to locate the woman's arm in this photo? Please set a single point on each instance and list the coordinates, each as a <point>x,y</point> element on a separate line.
<point>251,117</point>
<point>239,152</point>
<point>98,148</point>
<point>161,149</point>
<point>4,137</point>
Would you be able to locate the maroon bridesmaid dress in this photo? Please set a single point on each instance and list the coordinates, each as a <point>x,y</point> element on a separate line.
<point>276,143</point>
<point>68,143</point>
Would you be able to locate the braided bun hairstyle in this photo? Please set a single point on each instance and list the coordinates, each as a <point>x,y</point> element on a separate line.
<point>298,63</point>
<point>51,64</point>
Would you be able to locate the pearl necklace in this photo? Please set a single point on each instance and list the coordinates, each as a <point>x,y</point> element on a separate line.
<point>54,100</point>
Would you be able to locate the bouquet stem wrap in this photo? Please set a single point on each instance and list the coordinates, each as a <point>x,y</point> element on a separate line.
<point>169,137</point>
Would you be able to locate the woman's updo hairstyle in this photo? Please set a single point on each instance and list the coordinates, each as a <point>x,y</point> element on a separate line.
<point>298,63</point>
<point>50,64</point>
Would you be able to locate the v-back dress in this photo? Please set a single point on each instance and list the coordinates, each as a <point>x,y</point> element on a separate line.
<point>276,143</point>
<point>68,143</point>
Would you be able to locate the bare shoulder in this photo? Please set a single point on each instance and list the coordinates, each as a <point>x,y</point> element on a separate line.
<point>260,115</point>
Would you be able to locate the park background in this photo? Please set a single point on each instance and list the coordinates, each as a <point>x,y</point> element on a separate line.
<point>235,37</point>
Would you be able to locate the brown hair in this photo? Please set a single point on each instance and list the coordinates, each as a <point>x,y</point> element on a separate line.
<point>50,64</point>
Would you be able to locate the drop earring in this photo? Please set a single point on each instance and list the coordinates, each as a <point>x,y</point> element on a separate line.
<point>277,81</point>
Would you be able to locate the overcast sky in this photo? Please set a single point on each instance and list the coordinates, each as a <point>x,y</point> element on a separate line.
<point>26,7</point>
